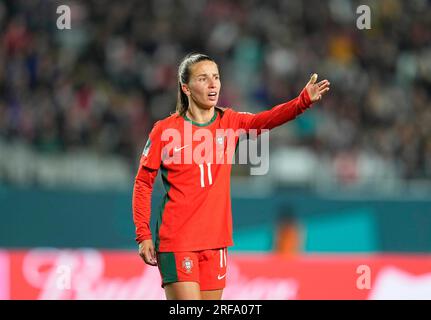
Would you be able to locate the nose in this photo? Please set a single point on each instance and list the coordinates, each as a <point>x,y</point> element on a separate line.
<point>211,83</point>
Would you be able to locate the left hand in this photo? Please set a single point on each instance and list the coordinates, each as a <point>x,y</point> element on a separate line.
<point>317,90</point>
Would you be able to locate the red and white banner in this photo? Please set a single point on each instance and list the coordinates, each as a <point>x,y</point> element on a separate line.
<point>93,274</point>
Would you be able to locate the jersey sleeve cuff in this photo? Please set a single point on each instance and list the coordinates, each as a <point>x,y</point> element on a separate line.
<point>304,97</point>
<point>139,239</point>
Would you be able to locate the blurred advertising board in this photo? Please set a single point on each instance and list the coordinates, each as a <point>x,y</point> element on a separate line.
<point>94,274</point>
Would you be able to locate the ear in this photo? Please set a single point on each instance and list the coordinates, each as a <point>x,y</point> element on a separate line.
<point>185,89</point>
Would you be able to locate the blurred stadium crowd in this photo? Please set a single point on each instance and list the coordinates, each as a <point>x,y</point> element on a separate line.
<point>102,84</point>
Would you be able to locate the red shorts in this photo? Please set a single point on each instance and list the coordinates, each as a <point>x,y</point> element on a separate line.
<point>206,267</point>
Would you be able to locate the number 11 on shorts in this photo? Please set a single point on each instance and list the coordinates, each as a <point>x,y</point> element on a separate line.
<point>223,260</point>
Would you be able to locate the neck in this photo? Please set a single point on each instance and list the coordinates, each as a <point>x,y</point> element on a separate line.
<point>200,115</point>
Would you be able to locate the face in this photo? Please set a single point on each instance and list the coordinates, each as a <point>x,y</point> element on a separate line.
<point>204,85</point>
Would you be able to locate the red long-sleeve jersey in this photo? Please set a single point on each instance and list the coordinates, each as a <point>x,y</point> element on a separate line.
<point>196,210</point>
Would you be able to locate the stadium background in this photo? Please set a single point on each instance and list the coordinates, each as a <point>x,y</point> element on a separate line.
<point>349,181</point>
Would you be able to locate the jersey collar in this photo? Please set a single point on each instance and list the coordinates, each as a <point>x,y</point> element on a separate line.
<point>202,124</point>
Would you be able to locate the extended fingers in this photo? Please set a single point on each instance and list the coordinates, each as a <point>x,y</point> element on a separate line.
<point>317,89</point>
<point>323,86</point>
<point>324,83</point>
<point>323,91</point>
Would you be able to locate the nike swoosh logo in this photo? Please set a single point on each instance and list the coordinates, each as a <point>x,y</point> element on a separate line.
<point>178,149</point>
<point>221,277</point>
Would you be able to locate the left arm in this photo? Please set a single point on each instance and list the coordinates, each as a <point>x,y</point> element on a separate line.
<point>286,111</point>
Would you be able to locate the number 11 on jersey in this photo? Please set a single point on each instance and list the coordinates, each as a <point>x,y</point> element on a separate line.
<point>210,178</point>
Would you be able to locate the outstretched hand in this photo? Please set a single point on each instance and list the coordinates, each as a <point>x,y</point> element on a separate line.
<point>317,90</point>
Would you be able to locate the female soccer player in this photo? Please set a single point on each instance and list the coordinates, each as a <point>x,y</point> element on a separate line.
<point>194,224</point>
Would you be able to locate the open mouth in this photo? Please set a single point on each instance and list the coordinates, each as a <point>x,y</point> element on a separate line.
<point>212,95</point>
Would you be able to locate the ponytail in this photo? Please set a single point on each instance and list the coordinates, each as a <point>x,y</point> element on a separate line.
<point>182,101</point>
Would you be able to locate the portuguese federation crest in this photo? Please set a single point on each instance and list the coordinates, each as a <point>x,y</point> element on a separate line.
<point>187,265</point>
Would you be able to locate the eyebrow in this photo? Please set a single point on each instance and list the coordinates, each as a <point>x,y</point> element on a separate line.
<point>205,74</point>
